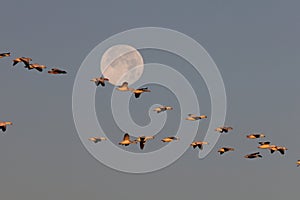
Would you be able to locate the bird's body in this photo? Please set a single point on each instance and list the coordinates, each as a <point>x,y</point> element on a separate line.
<point>169,139</point>
<point>97,139</point>
<point>139,91</point>
<point>36,66</point>
<point>193,117</point>
<point>4,124</point>
<point>253,155</point>
<point>298,163</point>
<point>224,129</point>
<point>126,140</point>
<point>2,55</point>
<point>265,145</point>
<point>198,144</point>
<point>100,81</point>
<point>143,139</point>
<point>225,149</point>
<point>124,87</point>
<point>255,136</point>
<point>56,71</point>
<point>25,60</point>
<point>162,108</point>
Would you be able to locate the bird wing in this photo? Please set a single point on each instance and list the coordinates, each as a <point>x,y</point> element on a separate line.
<point>102,83</point>
<point>262,143</point>
<point>200,146</point>
<point>3,128</point>
<point>137,95</point>
<point>39,69</point>
<point>15,62</point>
<point>142,144</point>
<point>97,83</point>
<point>281,151</point>
<point>26,61</point>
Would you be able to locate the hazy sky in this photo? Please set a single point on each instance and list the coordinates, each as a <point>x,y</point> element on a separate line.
<point>255,45</point>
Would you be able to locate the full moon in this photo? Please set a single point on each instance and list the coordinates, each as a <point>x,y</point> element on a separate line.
<point>122,63</point>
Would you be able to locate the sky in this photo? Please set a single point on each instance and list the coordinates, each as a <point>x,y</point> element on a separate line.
<point>255,45</point>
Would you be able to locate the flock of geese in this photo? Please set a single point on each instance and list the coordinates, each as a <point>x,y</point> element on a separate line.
<point>191,117</point>
<point>143,139</point>
<point>27,65</point>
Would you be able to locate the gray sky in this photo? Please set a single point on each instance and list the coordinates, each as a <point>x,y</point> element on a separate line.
<point>255,45</point>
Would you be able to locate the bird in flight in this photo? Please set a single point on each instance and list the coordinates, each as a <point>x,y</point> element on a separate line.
<point>298,163</point>
<point>4,124</point>
<point>124,87</point>
<point>281,149</point>
<point>198,144</point>
<point>36,66</point>
<point>169,139</point>
<point>97,139</point>
<point>56,71</point>
<point>255,136</point>
<point>193,117</point>
<point>126,140</point>
<point>139,91</point>
<point>225,149</point>
<point>100,81</point>
<point>2,55</point>
<point>25,60</point>
<point>162,109</point>
<point>253,155</point>
<point>223,129</point>
<point>143,139</point>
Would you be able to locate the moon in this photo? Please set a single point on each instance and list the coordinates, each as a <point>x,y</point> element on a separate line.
<point>122,63</point>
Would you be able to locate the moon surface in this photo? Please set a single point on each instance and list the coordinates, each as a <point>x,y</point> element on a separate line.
<point>122,63</point>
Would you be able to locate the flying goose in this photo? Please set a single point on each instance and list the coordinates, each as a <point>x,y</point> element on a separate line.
<point>100,80</point>
<point>162,108</point>
<point>225,149</point>
<point>97,139</point>
<point>255,136</point>
<point>56,71</point>
<point>4,55</point>
<point>3,125</point>
<point>143,139</point>
<point>139,91</point>
<point>169,139</point>
<point>198,144</point>
<point>25,60</point>
<point>124,87</point>
<point>265,145</point>
<point>193,117</point>
<point>126,140</point>
<point>253,155</point>
<point>298,163</point>
<point>223,129</point>
<point>36,66</point>
<point>278,148</point>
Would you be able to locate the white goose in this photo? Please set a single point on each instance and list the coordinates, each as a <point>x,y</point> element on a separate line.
<point>162,109</point>
<point>193,117</point>
<point>97,139</point>
<point>124,87</point>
